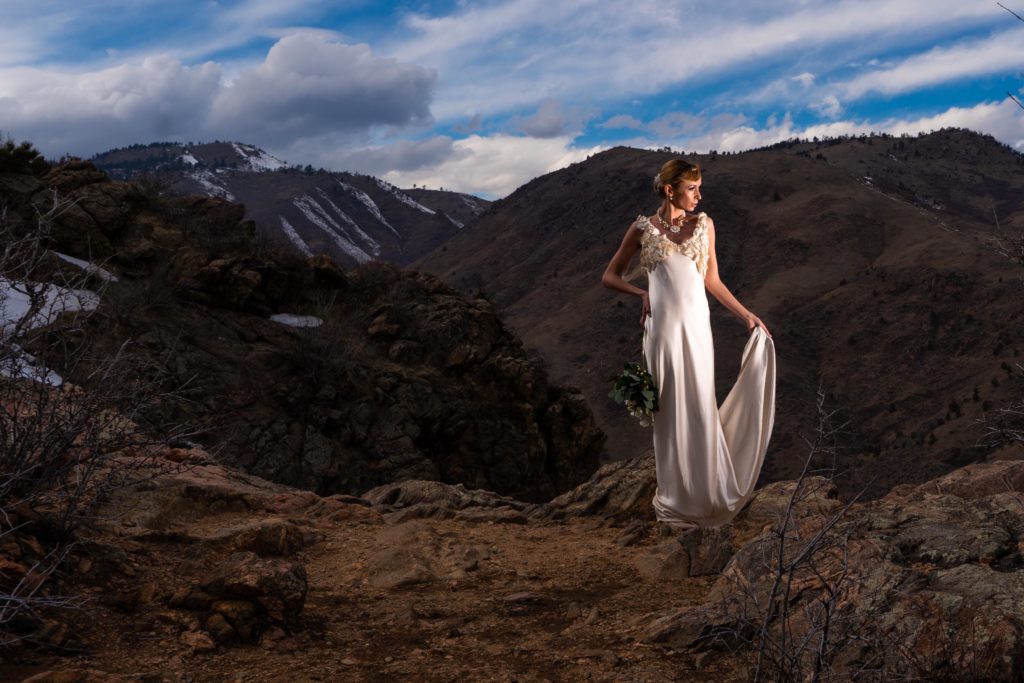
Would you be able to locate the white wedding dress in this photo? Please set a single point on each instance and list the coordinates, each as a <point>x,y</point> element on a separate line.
<point>708,457</point>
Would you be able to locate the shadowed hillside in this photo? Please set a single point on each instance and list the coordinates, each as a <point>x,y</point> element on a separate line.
<point>871,261</point>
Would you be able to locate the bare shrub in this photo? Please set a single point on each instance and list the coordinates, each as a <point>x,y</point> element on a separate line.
<point>799,556</point>
<point>1005,426</point>
<point>62,445</point>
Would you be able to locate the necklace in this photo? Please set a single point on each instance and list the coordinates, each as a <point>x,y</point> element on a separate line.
<point>671,225</point>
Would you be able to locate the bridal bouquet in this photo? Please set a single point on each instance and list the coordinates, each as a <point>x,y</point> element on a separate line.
<point>635,388</point>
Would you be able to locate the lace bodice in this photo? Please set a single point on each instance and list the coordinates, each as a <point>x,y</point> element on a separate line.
<point>655,246</point>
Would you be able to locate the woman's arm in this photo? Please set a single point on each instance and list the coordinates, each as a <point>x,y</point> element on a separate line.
<point>713,283</point>
<point>612,277</point>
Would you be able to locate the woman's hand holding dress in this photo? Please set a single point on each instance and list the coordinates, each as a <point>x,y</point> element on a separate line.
<point>753,321</point>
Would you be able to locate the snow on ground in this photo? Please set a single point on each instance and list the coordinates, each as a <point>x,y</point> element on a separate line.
<point>369,241</point>
<point>472,203</point>
<point>17,312</point>
<point>209,182</point>
<point>316,215</point>
<point>370,205</point>
<point>257,159</point>
<point>27,305</point>
<point>187,158</point>
<point>90,268</point>
<point>456,223</point>
<point>18,363</point>
<point>403,197</point>
<point>292,320</point>
<point>293,236</point>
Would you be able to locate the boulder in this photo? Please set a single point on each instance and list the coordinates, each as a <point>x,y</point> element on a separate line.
<point>277,587</point>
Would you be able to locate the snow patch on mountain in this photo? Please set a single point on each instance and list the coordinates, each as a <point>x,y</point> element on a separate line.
<point>294,237</point>
<point>256,158</point>
<point>369,241</point>
<point>209,182</point>
<point>370,205</point>
<point>454,222</point>
<point>187,158</point>
<point>403,197</point>
<point>316,215</point>
<point>472,203</point>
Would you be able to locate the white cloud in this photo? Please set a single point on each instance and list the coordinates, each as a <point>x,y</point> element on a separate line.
<point>500,57</point>
<point>1000,53</point>
<point>805,79</point>
<point>1003,120</point>
<point>495,165</point>
<point>84,113</point>
<point>320,97</point>
<point>829,107</point>
<point>552,119</point>
<point>402,156</point>
<point>624,121</point>
<point>307,88</point>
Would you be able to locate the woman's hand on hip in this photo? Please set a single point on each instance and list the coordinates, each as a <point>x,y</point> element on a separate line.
<point>645,310</point>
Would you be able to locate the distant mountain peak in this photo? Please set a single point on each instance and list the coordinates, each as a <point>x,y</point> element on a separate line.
<point>353,217</point>
<point>256,159</point>
<point>178,156</point>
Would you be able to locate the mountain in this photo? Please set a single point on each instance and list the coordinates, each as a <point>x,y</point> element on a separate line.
<point>294,369</point>
<point>351,217</point>
<point>872,260</point>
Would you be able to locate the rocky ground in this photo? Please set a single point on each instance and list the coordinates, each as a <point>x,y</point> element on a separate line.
<point>207,574</point>
<point>390,595</point>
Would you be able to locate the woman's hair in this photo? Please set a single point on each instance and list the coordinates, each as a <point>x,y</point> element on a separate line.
<point>674,171</point>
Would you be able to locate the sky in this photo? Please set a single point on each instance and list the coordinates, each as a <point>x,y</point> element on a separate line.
<point>482,96</point>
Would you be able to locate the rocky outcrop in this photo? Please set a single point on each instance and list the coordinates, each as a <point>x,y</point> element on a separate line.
<point>926,581</point>
<point>400,377</point>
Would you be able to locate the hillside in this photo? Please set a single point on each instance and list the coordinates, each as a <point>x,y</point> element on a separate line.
<point>296,370</point>
<point>351,217</point>
<point>871,261</point>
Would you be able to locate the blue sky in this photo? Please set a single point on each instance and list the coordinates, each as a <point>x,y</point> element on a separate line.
<point>482,96</point>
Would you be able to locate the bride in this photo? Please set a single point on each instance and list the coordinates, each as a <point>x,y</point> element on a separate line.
<point>707,457</point>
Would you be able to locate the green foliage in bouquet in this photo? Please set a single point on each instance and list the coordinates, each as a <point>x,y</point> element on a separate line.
<point>635,389</point>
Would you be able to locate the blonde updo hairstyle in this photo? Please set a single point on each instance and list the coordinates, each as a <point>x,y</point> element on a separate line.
<point>673,172</point>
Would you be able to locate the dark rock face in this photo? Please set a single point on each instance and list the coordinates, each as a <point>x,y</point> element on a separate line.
<point>405,377</point>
